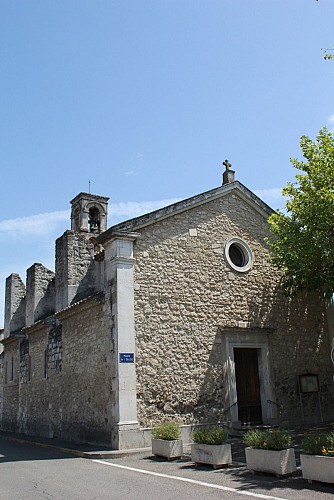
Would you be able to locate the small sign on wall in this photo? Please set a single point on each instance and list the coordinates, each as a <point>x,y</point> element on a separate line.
<point>309,383</point>
<point>126,357</point>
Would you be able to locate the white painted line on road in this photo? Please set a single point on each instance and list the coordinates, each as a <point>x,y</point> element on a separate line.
<point>192,481</point>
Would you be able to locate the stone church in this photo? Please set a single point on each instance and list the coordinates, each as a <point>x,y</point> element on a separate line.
<point>176,314</point>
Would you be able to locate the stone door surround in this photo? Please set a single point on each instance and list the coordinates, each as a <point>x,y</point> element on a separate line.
<point>248,338</point>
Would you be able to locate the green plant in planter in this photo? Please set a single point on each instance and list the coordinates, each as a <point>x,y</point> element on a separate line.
<point>210,435</point>
<point>272,439</point>
<point>319,444</point>
<point>169,431</point>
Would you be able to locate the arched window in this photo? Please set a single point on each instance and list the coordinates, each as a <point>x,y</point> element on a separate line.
<point>94,220</point>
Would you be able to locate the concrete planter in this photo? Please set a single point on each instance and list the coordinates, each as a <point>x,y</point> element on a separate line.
<point>281,463</point>
<point>167,449</point>
<point>317,468</point>
<point>212,454</point>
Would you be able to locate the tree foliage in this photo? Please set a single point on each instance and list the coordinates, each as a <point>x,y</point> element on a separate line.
<point>304,244</point>
<point>327,55</point>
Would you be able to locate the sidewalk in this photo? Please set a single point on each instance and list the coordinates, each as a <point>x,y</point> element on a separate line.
<point>76,449</point>
<point>98,451</point>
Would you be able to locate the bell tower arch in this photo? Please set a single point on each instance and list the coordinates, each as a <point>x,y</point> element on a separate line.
<point>89,213</point>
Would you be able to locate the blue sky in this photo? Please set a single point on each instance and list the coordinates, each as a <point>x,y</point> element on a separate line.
<point>146,98</point>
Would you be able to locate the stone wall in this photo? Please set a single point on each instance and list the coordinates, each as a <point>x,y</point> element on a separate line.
<point>186,295</point>
<point>62,385</point>
<point>24,305</point>
<point>55,348</point>
<point>24,362</point>
<point>15,304</point>
<point>75,268</point>
<point>2,364</point>
<point>11,385</point>
<point>36,393</point>
<point>86,373</point>
<point>40,293</point>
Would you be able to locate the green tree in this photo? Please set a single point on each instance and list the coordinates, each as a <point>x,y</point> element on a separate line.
<point>327,55</point>
<point>303,246</point>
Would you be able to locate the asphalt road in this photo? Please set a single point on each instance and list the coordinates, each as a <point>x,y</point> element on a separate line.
<point>32,473</point>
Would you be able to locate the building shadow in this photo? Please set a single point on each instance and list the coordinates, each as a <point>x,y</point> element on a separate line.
<point>13,451</point>
<point>20,448</point>
<point>295,327</point>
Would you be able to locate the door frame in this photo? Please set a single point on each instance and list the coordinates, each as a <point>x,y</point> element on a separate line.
<point>250,339</point>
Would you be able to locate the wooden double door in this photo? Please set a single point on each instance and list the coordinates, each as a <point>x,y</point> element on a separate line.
<point>248,385</point>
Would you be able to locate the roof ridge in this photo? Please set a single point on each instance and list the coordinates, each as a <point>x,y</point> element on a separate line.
<point>182,205</point>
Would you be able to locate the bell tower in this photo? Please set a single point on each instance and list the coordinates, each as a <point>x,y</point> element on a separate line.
<point>89,213</point>
<point>76,275</point>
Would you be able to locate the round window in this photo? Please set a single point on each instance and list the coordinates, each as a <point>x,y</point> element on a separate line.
<point>238,255</point>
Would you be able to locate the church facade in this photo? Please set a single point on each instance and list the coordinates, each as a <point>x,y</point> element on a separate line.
<point>176,314</point>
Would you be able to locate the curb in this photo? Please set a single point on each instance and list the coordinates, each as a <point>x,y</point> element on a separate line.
<point>79,453</point>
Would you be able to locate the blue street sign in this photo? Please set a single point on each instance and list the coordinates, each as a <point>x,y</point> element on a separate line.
<point>126,357</point>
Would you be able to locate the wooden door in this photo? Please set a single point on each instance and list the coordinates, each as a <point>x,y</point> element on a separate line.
<point>248,385</point>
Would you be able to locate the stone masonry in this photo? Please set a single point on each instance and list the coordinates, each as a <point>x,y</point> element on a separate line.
<point>187,296</point>
<point>143,322</point>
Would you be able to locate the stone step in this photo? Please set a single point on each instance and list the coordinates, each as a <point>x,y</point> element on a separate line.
<point>240,430</point>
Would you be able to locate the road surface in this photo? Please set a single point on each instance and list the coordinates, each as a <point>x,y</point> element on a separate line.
<point>31,473</point>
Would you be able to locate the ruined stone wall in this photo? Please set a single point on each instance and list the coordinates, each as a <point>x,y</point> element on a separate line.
<point>75,267</point>
<point>40,293</point>
<point>65,380</point>
<point>186,294</point>
<point>15,304</point>
<point>26,305</point>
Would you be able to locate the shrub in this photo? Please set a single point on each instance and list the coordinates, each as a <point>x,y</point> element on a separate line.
<point>319,444</point>
<point>169,431</point>
<point>273,439</point>
<point>210,435</point>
